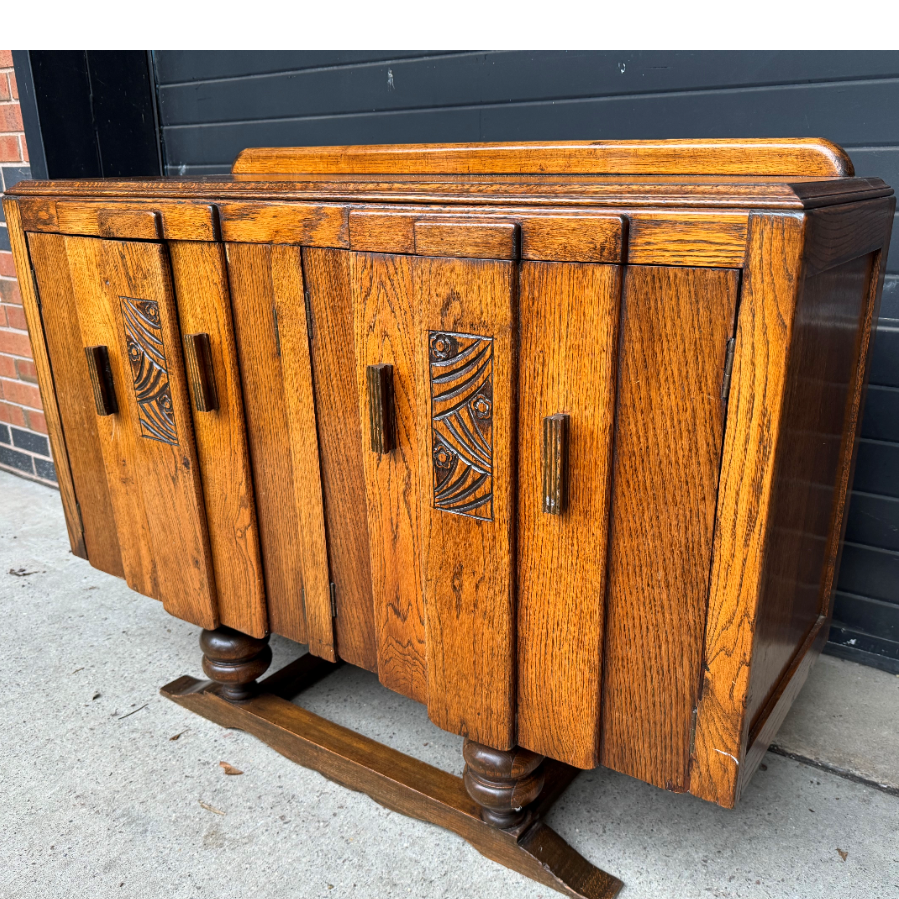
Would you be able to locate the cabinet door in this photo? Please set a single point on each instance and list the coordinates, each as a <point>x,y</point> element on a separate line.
<point>467,335</point>
<point>123,298</point>
<point>568,361</point>
<point>272,336</point>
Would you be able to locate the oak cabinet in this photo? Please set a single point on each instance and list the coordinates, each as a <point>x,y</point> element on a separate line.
<point>555,439</point>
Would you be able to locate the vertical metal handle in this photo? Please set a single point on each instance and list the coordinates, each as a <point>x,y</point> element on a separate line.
<point>555,463</point>
<point>380,407</point>
<point>198,356</point>
<point>101,379</point>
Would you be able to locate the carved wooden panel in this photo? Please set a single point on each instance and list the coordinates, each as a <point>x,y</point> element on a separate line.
<point>461,378</point>
<point>149,371</point>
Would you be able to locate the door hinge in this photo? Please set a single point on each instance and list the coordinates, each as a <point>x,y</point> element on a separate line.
<point>333,599</point>
<point>728,368</point>
<point>277,329</point>
<point>310,325</point>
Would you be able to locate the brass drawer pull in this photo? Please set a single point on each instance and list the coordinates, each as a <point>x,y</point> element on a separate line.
<point>380,407</point>
<point>555,463</point>
<point>198,356</point>
<point>101,379</point>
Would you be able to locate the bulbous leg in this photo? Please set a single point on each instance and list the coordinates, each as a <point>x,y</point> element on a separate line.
<point>502,782</point>
<point>234,661</point>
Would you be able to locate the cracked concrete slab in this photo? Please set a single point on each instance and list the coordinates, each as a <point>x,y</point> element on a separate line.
<point>98,799</point>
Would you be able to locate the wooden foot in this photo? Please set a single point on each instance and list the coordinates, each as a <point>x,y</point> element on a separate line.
<point>234,661</point>
<point>409,786</point>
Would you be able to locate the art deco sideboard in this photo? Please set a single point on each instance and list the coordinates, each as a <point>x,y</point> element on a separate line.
<point>554,438</point>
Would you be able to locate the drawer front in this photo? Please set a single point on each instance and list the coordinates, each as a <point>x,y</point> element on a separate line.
<point>121,293</point>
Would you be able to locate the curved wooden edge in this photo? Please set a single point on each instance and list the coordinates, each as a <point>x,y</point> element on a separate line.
<point>790,156</point>
<point>397,781</point>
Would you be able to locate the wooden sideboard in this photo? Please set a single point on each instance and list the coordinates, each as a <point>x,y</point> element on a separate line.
<point>554,438</point>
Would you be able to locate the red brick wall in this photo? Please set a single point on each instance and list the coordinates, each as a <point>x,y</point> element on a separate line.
<point>23,443</point>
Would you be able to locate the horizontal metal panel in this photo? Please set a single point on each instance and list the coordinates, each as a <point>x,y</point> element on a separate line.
<point>294,88</point>
<point>866,614</point>
<point>885,354</point>
<point>889,304</point>
<point>840,111</point>
<point>195,65</point>
<point>873,520</point>
<point>881,419</point>
<point>872,572</point>
<point>877,468</point>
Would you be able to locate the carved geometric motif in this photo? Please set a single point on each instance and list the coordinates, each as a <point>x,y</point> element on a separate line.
<point>146,353</point>
<point>461,376</point>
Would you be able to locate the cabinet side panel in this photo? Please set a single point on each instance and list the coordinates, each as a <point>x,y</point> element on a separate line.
<point>253,308</point>
<point>31,308</point>
<point>385,324</point>
<point>204,306</point>
<point>823,362</point>
<point>770,284</point>
<point>675,324</point>
<point>74,397</point>
<point>467,347</point>
<point>569,346</point>
<point>328,282</point>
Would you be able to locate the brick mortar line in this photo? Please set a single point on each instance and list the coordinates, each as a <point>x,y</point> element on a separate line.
<point>29,477</point>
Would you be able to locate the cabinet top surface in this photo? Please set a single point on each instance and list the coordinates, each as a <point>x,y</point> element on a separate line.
<point>791,173</point>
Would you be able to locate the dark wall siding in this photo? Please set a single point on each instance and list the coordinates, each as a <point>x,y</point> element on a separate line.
<point>213,104</point>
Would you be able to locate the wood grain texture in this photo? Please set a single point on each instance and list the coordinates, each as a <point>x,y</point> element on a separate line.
<point>117,438</point>
<point>204,305</point>
<point>168,471</point>
<point>569,347</point>
<point>296,223</point>
<point>404,784</point>
<point>107,220</point>
<point>688,239</point>
<point>302,434</point>
<point>45,377</point>
<point>823,364</point>
<point>675,326</point>
<point>385,314</point>
<point>334,367</point>
<point>468,562</point>
<point>574,239</point>
<point>262,381</point>
<point>754,428</point>
<point>842,233</point>
<point>378,231</point>
<point>494,240</point>
<point>36,214</point>
<point>73,396</point>
<point>799,156</point>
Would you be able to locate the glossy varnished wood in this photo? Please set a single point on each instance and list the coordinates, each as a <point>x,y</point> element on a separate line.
<point>117,439</point>
<point>467,561</point>
<point>167,468</point>
<point>73,396</point>
<point>675,325</point>
<point>490,240</point>
<point>31,307</point>
<point>298,223</point>
<point>764,331</point>
<point>334,371</point>
<point>385,320</point>
<point>262,383</point>
<point>292,333</point>
<point>569,344</point>
<point>684,157</point>
<point>402,783</point>
<point>204,306</point>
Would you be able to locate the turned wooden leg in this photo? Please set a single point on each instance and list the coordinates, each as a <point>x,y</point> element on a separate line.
<point>502,782</point>
<point>234,661</point>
